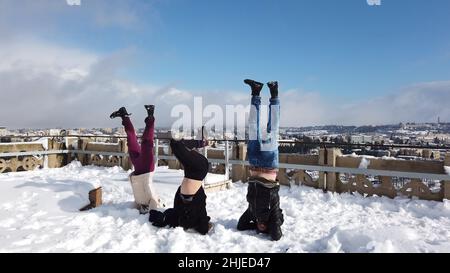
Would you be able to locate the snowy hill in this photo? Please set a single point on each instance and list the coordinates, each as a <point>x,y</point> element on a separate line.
<point>39,213</point>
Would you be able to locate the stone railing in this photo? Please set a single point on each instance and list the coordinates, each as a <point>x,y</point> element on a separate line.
<point>90,152</point>
<point>329,170</point>
<point>26,156</point>
<point>369,176</point>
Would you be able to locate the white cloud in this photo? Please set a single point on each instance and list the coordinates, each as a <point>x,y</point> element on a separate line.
<point>374,2</point>
<point>73,2</point>
<point>422,102</point>
<point>45,85</point>
<point>40,57</point>
<point>108,14</point>
<point>31,16</point>
<point>123,14</point>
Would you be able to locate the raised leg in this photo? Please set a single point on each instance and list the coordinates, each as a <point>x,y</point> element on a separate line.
<point>147,155</point>
<point>134,148</point>
<point>193,143</point>
<point>273,126</point>
<point>254,142</point>
<point>195,165</point>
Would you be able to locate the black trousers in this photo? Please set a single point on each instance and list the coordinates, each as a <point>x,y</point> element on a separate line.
<point>195,164</point>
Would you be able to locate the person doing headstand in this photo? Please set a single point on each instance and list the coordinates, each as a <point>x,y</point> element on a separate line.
<point>263,212</point>
<point>142,158</point>
<point>189,205</point>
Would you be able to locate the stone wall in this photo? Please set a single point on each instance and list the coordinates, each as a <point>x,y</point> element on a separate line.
<point>328,181</point>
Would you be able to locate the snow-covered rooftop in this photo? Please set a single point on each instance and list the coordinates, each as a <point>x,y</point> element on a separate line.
<point>39,213</point>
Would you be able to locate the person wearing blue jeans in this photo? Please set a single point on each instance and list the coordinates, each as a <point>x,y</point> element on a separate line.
<point>263,212</point>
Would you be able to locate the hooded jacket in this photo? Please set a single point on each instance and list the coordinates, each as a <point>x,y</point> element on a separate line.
<point>186,214</point>
<point>263,198</point>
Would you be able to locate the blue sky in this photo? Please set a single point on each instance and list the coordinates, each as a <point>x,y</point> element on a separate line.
<point>322,50</point>
<point>344,48</point>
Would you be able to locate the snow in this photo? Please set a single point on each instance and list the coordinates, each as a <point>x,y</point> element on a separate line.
<point>212,178</point>
<point>104,143</point>
<point>43,141</point>
<point>391,158</point>
<point>314,132</point>
<point>364,163</point>
<point>73,2</point>
<point>39,213</point>
<point>354,155</point>
<point>447,169</point>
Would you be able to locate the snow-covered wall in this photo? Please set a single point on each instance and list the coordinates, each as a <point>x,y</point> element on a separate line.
<point>239,172</point>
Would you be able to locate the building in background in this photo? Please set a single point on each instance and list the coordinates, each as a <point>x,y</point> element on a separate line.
<point>361,139</point>
<point>3,131</point>
<point>54,132</point>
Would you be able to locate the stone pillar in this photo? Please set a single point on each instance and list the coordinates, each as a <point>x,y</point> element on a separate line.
<point>322,162</point>
<point>239,171</point>
<point>447,183</point>
<point>282,175</point>
<point>55,160</point>
<point>327,157</point>
<point>283,178</point>
<point>82,143</point>
<point>173,163</point>
<point>69,145</point>
<point>227,159</point>
<point>332,177</point>
<point>426,153</point>
<point>125,160</point>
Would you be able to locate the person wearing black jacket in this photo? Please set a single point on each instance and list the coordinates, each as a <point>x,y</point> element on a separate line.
<point>189,209</point>
<point>263,212</point>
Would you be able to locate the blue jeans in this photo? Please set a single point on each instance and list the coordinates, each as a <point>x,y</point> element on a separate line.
<point>263,153</point>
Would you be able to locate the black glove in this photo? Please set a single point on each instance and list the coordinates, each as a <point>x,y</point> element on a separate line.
<point>156,218</point>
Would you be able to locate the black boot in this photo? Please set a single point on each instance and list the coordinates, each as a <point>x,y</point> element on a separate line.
<point>273,86</point>
<point>256,86</point>
<point>122,112</point>
<point>275,232</point>
<point>275,222</point>
<point>157,218</point>
<point>150,110</point>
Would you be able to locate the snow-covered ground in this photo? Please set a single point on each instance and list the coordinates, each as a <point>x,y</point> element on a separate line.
<point>39,213</point>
